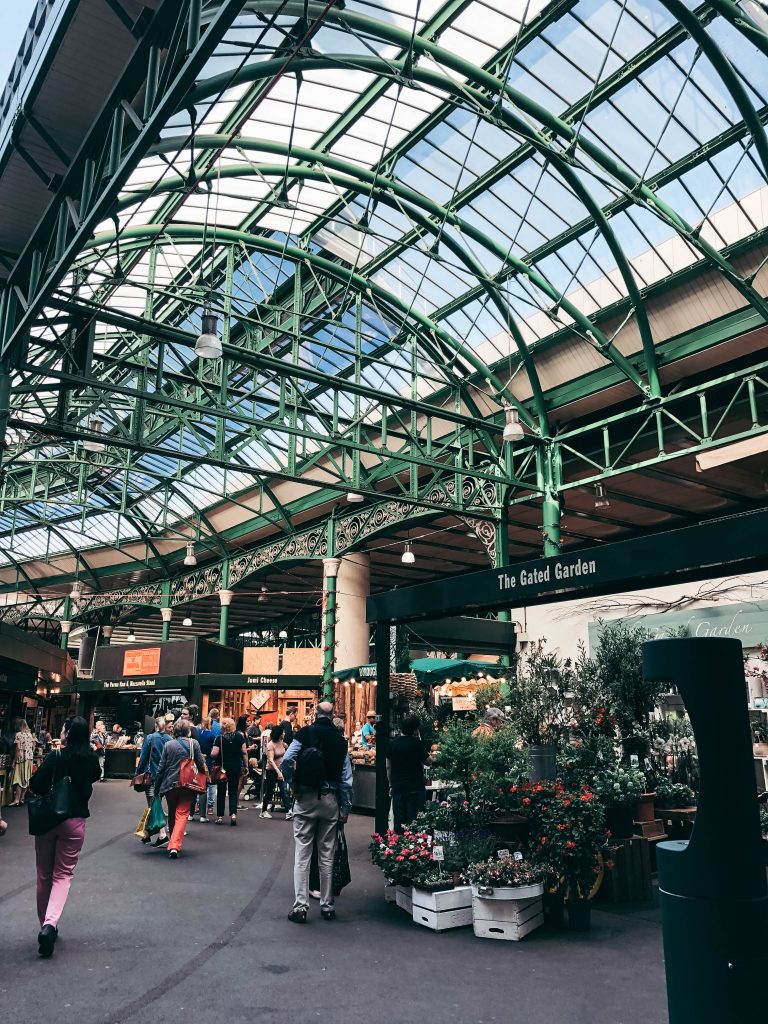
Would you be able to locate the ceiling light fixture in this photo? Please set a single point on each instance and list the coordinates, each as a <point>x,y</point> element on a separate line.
<point>208,344</point>
<point>513,428</point>
<point>408,557</point>
<point>354,497</point>
<point>263,595</point>
<point>186,621</point>
<point>282,635</point>
<point>601,498</point>
<point>77,591</point>
<point>131,636</point>
<point>95,425</point>
<point>190,558</point>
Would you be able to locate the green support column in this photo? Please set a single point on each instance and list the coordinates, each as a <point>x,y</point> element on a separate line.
<point>330,572</point>
<point>166,611</point>
<point>502,559</point>
<point>66,623</point>
<point>550,470</point>
<point>225,600</point>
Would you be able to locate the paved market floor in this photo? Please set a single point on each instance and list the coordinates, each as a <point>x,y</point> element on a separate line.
<point>205,938</point>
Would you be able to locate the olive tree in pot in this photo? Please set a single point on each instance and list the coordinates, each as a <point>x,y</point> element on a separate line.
<point>539,708</point>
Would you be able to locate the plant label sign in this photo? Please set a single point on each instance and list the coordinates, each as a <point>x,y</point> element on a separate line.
<point>438,853</point>
<point>504,855</point>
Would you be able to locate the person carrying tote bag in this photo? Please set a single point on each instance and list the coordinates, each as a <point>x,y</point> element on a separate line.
<point>181,775</point>
<point>62,786</point>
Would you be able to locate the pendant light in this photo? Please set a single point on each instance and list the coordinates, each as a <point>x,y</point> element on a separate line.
<point>190,558</point>
<point>131,636</point>
<point>513,428</point>
<point>601,498</point>
<point>208,344</point>
<point>408,557</point>
<point>95,425</point>
<point>263,595</point>
<point>187,621</point>
<point>355,498</point>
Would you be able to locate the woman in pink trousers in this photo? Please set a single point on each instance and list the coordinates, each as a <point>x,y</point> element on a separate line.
<point>57,851</point>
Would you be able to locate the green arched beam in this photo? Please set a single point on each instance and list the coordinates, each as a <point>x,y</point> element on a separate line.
<point>375,184</point>
<point>742,22</point>
<point>636,189</point>
<point>196,232</point>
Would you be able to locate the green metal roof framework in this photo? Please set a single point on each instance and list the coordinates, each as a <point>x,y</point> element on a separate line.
<point>374,331</point>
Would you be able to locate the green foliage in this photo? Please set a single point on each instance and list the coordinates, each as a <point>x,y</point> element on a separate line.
<point>538,707</point>
<point>673,794</point>
<point>493,694</point>
<point>496,874</point>
<point>582,760</point>
<point>618,661</point>
<point>405,859</point>
<point>764,820</point>
<point>454,815</point>
<point>618,786</point>
<point>456,759</point>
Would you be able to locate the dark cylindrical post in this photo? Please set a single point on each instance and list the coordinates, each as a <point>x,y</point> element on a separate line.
<point>713,892</point>
<point>383,655</point>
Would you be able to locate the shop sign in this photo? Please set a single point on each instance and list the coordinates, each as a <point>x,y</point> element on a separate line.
<point>745,622</point>
<point>260,681</point>
<point>144,662</point>
<point>129,684</point>
<point>367,671</point>
<point>468,703</point>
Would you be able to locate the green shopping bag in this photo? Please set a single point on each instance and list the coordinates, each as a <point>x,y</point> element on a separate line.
<point>157,818</point>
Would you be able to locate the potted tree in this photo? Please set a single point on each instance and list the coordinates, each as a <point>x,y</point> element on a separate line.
<point>539,708</point>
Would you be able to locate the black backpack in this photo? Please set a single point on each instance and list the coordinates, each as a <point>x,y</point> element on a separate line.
<point>311,770</point>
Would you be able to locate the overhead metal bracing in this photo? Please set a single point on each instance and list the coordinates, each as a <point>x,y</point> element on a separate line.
<point>408,217</point>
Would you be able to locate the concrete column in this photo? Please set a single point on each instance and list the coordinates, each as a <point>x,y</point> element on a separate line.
<point>166,614</point>
<point>353,588</point>
<point>106,635</point>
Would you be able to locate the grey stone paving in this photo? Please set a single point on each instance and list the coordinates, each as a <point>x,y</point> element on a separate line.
<point>145,940</point>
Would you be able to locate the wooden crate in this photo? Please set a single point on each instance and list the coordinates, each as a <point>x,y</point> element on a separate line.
<point>650,829</point>
<point>390,893</point>
<point>403,898</point>
<point>448,899</point>
<point>442,920</point>
<point>509,920</point>
<point>629,880</point>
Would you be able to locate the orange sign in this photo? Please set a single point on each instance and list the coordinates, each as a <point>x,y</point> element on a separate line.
<point>145,662</point>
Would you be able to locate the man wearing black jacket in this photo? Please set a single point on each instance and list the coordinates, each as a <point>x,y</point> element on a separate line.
<point>318,810</point>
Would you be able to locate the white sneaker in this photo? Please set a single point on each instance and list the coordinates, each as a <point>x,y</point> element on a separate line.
<point>265,814</point>
<point>315,894</point>
<point>289,815</point>
<point>190,817</point>
<point>203,819</point>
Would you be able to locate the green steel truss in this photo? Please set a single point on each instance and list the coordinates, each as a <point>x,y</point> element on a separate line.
<point>381,372</point>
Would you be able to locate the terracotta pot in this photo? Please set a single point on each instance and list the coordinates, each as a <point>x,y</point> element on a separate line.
<point>645,810</point>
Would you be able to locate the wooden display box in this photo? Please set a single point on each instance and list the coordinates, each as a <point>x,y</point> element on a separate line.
<point>390,893</point>
<point>404,898</point>
<point>650,829</point>
<point>629,880</point>
<point>451,908</point>
<point>509,920</point>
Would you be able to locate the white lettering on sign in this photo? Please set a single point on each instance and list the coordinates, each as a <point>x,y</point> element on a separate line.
<point>556,569</point>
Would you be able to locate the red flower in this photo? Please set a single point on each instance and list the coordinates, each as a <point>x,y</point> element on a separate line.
<point>567,803</point>
<point>543,840</point>
<point>610,864</point>
<point>400,857</point>
<point>526,800</point>
<point>561,828</point>
<point>570,845</point>
<point>587,798</point>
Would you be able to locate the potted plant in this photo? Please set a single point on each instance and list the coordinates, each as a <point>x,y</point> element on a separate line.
<point>760,738</point>
<point>619,790</point>
<point>539,708</point>
<point>405,859</point>
<point>508,879</point>
<point>674,794</point>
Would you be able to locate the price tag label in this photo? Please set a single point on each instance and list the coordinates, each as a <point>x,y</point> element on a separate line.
<point>634,761</point>
<point>518,855</point>
<point>504,855</point>
<point>438,853</point>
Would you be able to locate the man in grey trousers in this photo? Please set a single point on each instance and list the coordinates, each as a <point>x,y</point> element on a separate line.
<point>323,790</point>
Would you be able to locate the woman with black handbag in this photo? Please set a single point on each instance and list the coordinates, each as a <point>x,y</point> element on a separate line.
<point>63,785</point>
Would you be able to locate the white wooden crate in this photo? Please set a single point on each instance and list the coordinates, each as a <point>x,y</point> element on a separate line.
<point>390,892</point>
<point>513,911</point>
<point>403,898</point>
<point>448,899</point>
<point>442,920</point>
<point>505,929</point>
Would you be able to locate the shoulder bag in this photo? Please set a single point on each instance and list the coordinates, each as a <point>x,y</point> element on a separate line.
<point>190,776</point>
<point>48,811</point>
<point>218,774</point>
<point>143,780</point>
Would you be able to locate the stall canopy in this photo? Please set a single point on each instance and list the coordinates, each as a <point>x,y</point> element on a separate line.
<point>437,670</point>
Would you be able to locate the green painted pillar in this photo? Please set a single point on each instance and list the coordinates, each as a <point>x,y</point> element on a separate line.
<point>551,471</point>
<point>66,623</point>
<point>225,600</point>
<point>330,574</point>
<point>166,612</point>
<point>501,559</point>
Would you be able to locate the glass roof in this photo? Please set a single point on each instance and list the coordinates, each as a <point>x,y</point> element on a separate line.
<point>318,154</point>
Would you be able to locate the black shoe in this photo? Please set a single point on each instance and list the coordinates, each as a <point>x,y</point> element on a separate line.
<point>161,842</point>
<point>173,854</point>
<point>328,915</point>
<point>298,915</point>
<point>46,940</point>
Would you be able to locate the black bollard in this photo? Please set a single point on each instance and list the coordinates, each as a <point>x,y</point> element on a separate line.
<point>714,897</point>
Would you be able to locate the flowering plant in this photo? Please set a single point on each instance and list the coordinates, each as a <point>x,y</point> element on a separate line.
<point>405,859</point>
<point>498,873</point>
<point>673,794</point>
<point>455,815</point>
<point>619,787</point>
<point>567,833</point>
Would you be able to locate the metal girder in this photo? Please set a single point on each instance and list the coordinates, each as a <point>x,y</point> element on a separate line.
<point>100,163</point>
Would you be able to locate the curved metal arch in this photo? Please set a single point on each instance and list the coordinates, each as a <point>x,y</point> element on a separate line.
<point>742,22</point>
<point>379,185</point>
<point>636,189</point>
<point>346,277</point>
